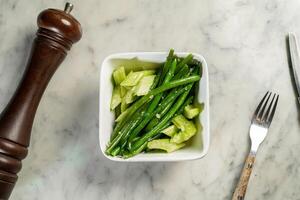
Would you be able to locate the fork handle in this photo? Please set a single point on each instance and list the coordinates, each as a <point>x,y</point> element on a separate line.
<point>241,188</point>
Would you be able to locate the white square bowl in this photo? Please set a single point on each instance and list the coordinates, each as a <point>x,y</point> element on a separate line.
<point>199,145</point>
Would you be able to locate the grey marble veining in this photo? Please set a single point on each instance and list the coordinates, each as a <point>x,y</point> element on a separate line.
<point>243,42</point>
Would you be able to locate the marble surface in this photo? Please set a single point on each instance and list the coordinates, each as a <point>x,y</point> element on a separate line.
<point>243,42</point>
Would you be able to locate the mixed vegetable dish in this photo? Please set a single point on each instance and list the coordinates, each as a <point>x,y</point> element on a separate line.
<point>155,109</point>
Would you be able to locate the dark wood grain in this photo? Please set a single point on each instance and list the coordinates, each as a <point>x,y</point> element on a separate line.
<point>58,30</point>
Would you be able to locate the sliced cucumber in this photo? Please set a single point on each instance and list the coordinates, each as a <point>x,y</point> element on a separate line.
<point>119,75</point>
<point>129,97</point>
<point>164,144</point>
<point>144,85</point>
<point>116,98</point>
<point>124,106</point>
<point>170,131</point>
<point>187,129</point>
<point>190,111</point>
<point>132,79</point>
<point>123,91</point>
<point>148,72</point>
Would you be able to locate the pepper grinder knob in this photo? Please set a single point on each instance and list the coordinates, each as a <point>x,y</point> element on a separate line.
<point>57,31</point>
<point>61,25</point>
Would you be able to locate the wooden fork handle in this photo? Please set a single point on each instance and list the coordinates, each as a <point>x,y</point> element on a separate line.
<point>241,188</point>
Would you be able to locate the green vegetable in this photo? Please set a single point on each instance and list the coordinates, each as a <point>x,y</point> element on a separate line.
<point>154,92</point>
<point>188,101</point>
<point>156,120</point>
<point>147,72</point>
<point>170,131</point>
<point>116,98</point>
<point>137,117</point>
<point>116,151</point>
<point>129,97</point>
<point>167,65</point>
<point>124,106</point>
<point>119,75</point>
<point>164,144</point>
<point>184,72</point>
<point>132,79</point>
<point>191,111</point>
<point>187,129</point>
<point>144,85</point>
<point>118,110</point>
<point>185,61</point>
<point>149,115</point>
<point>150,107</point>
<point>156,80</point>
<point>157,98</point>
<point>136,146</point>
<point>123,91</point>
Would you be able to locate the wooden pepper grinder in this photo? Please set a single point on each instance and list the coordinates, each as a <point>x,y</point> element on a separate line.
<point>58,30</point>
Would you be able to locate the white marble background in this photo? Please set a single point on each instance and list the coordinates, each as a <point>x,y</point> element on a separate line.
<point>243,42</point>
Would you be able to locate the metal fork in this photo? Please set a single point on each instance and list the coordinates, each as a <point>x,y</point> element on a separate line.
<point>260,124</point>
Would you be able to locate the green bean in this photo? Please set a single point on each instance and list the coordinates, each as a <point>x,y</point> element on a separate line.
<point>132,109</point>
<point>188,101</point>
<point>131,154</point>
<point>185,61</point>
<point>184,70</point>
<point>167,65</point>
<point>167,101</point>
<point>155,83</point>
<point>157,98</point>
<point>156,80</point>
<point>136,118</point>
<point>116,151</point>
<point>155,120</point>
<point>117,111</point>
<point>136,146</point>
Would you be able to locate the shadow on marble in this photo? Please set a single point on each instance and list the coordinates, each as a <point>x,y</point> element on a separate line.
<point>24,43</point>
<point>74,154</point>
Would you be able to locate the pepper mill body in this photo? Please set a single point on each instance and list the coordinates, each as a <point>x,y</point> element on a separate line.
<point>58,30</point>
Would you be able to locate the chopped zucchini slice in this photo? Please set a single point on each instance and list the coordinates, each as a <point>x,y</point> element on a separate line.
<point>187,129</point>
<point>164,144</point>
<point>119,75</point>
<point>129,97</point>
<point>144,85</point>
<point>133,78</point>
<point>116,98</point>
<point>170,131</point>
<point>123,91</point>
<point>124,105</point>
<point>148,72</point>
<point>190,111</point>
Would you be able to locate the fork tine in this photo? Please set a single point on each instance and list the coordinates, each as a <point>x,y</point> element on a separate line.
<point>261,112</point>
<point>266,115</point>
<point>269,120</point>
<point>259,105</point>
